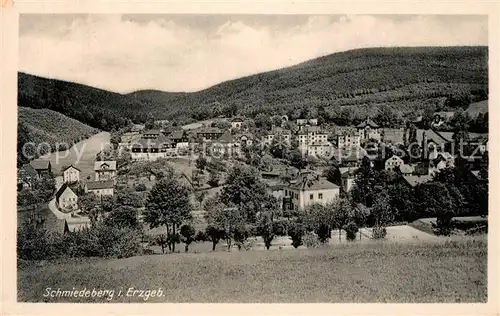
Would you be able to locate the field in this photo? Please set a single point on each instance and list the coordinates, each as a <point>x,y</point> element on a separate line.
<point>445,271</point>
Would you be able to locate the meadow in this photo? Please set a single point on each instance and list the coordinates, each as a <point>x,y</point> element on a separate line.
<point>453,270</point>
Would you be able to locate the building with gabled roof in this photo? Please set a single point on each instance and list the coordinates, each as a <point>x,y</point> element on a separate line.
<point>66,199</point>
<point>369,130</point>
<point>309,188</point>
<point>41,166</point>
<point>100,188</point>
<point>105,170</point>
<point>71,174</point>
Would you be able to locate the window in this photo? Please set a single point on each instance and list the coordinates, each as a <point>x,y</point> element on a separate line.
<point>320,196</point>
<point>311,196</point>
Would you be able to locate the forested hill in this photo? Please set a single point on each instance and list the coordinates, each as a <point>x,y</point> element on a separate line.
<point>351,85</point>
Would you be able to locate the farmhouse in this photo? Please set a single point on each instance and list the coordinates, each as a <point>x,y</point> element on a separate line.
<point>226,144</point>
<point>309,188</point>
<point>105,170</point>
<point>100,188</point>
<point>41,166</point>
<point>368,130</point>
<point>151,150</point>
<point>66,199</point>
<point>180,138</point>
<point>71,174</point>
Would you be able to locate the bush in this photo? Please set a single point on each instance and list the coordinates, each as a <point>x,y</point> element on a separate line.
<point>296,231</point>
<point>140,187</point>
<point>280,227</point>
<point>379,232</point>
<point>351,229</point>
<point>324,233</point>
<point>200,236</point>
<point>311,240</point>
<point>444,224</point>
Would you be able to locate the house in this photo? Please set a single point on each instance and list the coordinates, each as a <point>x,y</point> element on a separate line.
<point>244,140</point>
<point>100,188</point>
<point>138,127</point>
<point>42,167</point>
<point>346,139</point>
<point>369,130</point>
<point>286,136</point>
<point>105,170</point>
<point>128,139</point>
<point>71,174</point>
<point>311,135</point>
<point>226,144</point>
<point>78,223</point>
<point>309,188</point>
<point>66,199</point>
<point>415,180</point>
<point>209,133</point>
<point>236,123</point>
<point>313,121</point>
<point>151,134</point>
<point>320,150</point>
<point>348,178</point>
<point>392,162</point>
<point>301,122</point>
<point>25,176</point>
<point>180,138</point>
<point>352,158</point>
<point>151,150</point>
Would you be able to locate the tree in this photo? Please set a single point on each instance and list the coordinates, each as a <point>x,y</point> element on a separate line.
<point>162,241</point>
<point>214,234</point>
<point>150,122</point>
<point>279,148</point>
<point>214,178</point>
<point>187,235</point>
<point>351,229</point>
<point>333,175</point>
<point>263,121</point>
<point>201,163</point>
<point>297,160</point>
<point>382,210</point>
<point>365,180</point>
<point>123,216</point>
<point>168,204</point>
<point>296,232</point>
<point>266,228</point>
<point>89,204</point>
<point>245,190</point>
<point>340,210</point>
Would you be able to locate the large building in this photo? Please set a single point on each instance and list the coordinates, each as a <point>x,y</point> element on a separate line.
<point>369,130</point>
<point>209,133</point>
<point>151,150</point>
<point>71,174</point>
<point>312,141</point>
<point>309,188</point>
<point>284,135</point>
<point>346,139</point>
<point>66,199</point>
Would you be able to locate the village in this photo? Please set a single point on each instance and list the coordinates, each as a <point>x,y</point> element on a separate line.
<point>302,162</point>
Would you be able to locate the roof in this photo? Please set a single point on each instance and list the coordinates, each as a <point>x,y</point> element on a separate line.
<point>71,166</point>
<point>237,119</point>
<point>61,190</point>
<point>151,131</point>
<point>96,185</point>
<point>280,130</point>
<point>210,130</point>
<point>27,170</point>
<point>75,224</point>
<point>111,164</point>
<point>176,134</point>
<point>56,225</point>
<point>367,122</point>
<point>226,138</point>
<point>416,180</point>
<point>347,171</point>
<point>40,164</point>
<point>309,181</point>
<point>394,156</point>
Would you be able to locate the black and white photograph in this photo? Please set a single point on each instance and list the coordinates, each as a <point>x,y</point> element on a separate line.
<point>252,158</point>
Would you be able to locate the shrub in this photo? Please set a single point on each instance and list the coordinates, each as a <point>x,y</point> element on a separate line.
<point>200,236</point>
<point>140,187</point>
<point>311,240</point>
<point>351,229</point>
<point>280,227</point>
<point>444,224</point>
<point>324,233</point>
<point>296,231</point>
<point>379,232</point>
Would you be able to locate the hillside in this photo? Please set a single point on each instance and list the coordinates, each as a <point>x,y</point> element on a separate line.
<point>47,126</point>
<point>477,108</point>
<point>358,81</point>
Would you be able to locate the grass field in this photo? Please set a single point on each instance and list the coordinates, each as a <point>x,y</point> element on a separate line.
<point>451,271</point>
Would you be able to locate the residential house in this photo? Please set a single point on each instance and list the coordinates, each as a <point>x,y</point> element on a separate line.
<point>320,150</point>
<point>392,162</point>
<point>347,139</point>
<point>286,136</point>
<point>348,178</point>
<point>151,134</point>
<point>209,133</point>
<point>180,138</point>
<point>138,127</point>
<point>309,188</point>
<point>226,144</point>
<point>151,150</point>
<point>414,180</point>
<point>105,170</point>
<point>352,158</point>
<point>71,174</point>
<point>100,188</point>
<point>42,167</point>
<point>128,139</point>
<point>236,123</point>
<point>66,199</point>
<point>301,122</point>
<point>78,223</point>
<point>309,136</point>
<point>369,130</point>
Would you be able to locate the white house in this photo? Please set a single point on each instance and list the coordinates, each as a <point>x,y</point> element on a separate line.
<point>369,130</point>
<point>66,199</point>
<point>286,136</point>
<point>100,188</point>
<point>105,170</point>
<point>392,162</point>
<point>71,174</point>
<point>348,178</point>
<point>348,140</point>
<point>308,189</point>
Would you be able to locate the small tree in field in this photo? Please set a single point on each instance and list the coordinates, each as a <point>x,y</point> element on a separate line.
<point>266,229</point>
<point>214,234</point>
<point>187,235</point>
<point>351,229</point>
<point>296,232</point>
<point>169,205</point>
<point>162,241</point>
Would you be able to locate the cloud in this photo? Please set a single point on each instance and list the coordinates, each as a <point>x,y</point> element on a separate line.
<point>124,55</point>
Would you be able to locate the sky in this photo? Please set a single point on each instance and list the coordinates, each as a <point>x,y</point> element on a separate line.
<point>125,53</point>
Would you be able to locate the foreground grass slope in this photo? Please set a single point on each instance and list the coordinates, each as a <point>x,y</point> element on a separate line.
<point>452,271</point>
<point>47,126</point>
<point>404,78</point>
